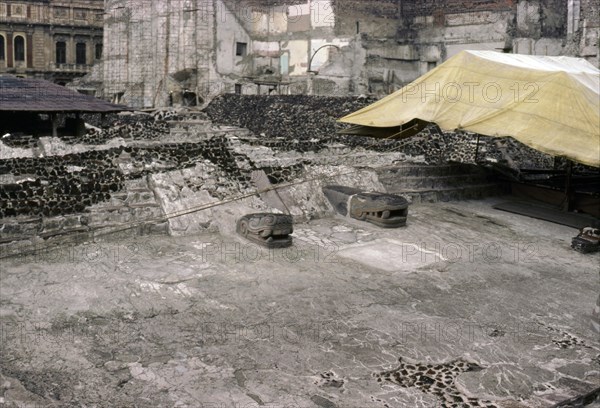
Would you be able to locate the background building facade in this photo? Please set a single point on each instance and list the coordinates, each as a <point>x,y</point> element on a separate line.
<point>57,40</point>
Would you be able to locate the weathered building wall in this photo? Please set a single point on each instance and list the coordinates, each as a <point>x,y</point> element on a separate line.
<point>161,48</point>
<point>378,18</point>
<point>157,49</point>
<point>589,31</point>
<point>229,33</point>
<point>429,32</point>
<point>286,37</point>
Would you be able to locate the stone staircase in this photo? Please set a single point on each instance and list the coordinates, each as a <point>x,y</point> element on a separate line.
<point>199,127</point>
<point>189,123</point>
<point>136,204</point>
<point>448,182</point>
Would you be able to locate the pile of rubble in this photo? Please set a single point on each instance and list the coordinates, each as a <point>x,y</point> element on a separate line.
<point>100,131</point>
<point>15,140</point>
<point>110,119</point>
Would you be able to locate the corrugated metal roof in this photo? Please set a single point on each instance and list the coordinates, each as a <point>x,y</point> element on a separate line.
<point>36,95</point>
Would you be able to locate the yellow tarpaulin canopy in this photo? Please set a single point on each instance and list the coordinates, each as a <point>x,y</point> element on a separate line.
<point>549,103</point>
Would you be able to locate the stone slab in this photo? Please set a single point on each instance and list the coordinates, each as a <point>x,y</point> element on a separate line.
<point>391,255</point>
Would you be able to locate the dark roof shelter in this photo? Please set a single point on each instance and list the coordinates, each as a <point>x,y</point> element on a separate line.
<point>37,95</point>
<point>22,100</point>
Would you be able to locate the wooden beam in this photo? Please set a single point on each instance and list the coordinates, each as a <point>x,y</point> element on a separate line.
<point>568,203</point>
<point>54,125</point>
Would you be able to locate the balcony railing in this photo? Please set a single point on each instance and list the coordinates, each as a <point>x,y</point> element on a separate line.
<point>92,20</point>
<point>71,67</point>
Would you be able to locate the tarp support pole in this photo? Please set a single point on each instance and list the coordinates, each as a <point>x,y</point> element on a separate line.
<point>568,205</point>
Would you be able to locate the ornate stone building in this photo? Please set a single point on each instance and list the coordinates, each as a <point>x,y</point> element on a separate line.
<point>57,40</point>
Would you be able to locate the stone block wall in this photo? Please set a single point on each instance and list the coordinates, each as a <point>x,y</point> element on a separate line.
<point>378,18</point>
<point>411,9</point>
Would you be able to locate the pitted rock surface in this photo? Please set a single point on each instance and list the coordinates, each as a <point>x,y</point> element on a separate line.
<point>330,379</point>
<point>436,379</point>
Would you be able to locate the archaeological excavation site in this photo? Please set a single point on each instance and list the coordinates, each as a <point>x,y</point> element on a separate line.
<point>299,204</point>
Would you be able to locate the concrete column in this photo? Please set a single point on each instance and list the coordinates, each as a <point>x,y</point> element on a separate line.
<point>309,84</point>
<point>9,50</point>
<point>89,51</point>
<point>573,15</point>
<point>79,125</point>
<point>71,50</point>
<point>29,49</point>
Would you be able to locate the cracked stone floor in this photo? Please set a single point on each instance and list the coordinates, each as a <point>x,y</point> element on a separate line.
<point>466,306</point>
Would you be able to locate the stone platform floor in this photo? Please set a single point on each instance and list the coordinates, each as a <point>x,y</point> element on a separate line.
<point>465,306</point>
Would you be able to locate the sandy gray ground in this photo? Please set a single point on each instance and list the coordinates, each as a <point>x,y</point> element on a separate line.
<point>492,306</point>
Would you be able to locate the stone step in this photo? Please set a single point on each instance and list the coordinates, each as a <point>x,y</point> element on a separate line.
<point>206,133</point>
<point>140,197</point>
<point>138,190</point>
<point>471,192</point>
<point>44,245</point>
<point>190,126</point>
<point>186,124</point>
<point>429,170</point>
<point>189,122</point>
<point>402,183</point>
<point>64,231</point>
<point>13,230</point>
<point>124,216</point>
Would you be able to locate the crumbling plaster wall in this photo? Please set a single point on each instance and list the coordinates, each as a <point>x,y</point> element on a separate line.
<point>282,39</point>
<point>229,31</point>
<point>429,32</point>
<point>297,30</point>
<point>402,40</point>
